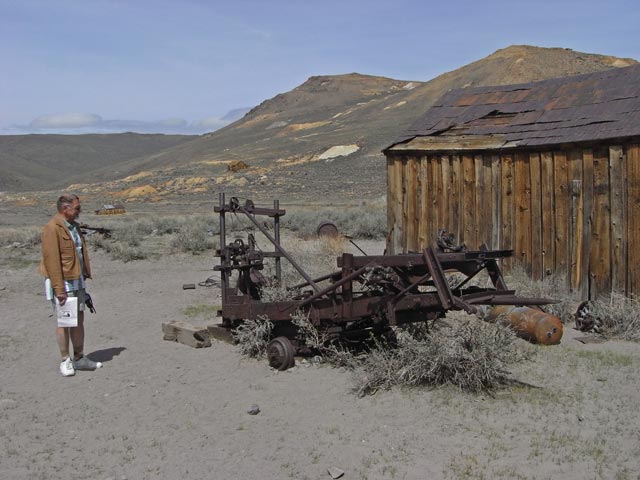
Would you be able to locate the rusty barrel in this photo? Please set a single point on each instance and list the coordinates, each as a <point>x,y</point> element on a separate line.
<point>528,323</point>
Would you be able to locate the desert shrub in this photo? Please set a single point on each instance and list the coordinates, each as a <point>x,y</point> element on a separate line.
<point>618,316</point>
<point>359,222</point>
<point>23,237</point>
<point>467,353</point>
<point>471,355</point>
<point>119,250</point>
<point>551,286</point>
<point>191,238</point>
<point>253,336</point>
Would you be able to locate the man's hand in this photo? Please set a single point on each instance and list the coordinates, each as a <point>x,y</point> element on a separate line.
<point>62,298</point>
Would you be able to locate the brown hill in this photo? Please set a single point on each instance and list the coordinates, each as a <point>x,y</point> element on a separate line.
<point>39,162</point>
<point>323,139</point>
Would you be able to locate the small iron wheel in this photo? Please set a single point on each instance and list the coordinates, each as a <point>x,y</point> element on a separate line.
<point>280,353</point>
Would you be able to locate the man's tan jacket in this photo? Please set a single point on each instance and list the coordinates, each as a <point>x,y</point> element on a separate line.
<point>60,261</point>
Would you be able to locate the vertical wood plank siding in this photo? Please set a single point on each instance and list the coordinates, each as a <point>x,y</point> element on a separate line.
<point>568,212</point>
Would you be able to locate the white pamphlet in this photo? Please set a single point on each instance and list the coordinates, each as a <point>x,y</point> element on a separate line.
<point>68,313</point>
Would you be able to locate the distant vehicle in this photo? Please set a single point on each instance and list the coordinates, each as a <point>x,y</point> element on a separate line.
<point>110,210</point>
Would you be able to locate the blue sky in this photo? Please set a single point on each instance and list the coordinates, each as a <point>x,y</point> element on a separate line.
<point>82,66</point>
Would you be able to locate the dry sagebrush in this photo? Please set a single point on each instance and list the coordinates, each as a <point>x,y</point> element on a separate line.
<point>469,354</point>
<point>253,336</point>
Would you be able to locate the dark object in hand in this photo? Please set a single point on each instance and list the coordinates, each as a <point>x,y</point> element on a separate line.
<point>88,301</point>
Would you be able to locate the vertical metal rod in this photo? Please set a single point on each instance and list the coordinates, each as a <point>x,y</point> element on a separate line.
<point>276,228</point>
<point>281,250</point>
<point>224,274</point>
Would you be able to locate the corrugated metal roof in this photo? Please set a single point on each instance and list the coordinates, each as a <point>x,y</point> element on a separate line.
<point>589,107</point>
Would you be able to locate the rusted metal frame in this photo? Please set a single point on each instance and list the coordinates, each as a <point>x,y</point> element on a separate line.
<point>439,280</point>
<point>326,309</point>
<point>317,280</point>
<point>335,285</point>
<point>224,252</point>
<point>268,212</point>
<point>447,260</point>
<point>276,232</point>
<point>442,287</point>
<point>481,267</point>
<point>280,249</point>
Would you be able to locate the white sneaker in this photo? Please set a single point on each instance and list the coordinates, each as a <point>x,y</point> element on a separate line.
<point>66,368</point>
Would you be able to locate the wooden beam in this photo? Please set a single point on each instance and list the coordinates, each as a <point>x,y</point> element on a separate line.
<point>561,191</point>
<point>507,210</point>
<point>522,210</point>
<point>576,223</point>
<point>548,213</point>
<point>618,220</point>
<point>600,253</point>
<point>536,217</point>
<point>468,203</point>
<point>587,221</point>
<point>633,223</point>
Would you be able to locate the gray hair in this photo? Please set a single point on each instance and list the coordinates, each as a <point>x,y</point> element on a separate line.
<point>66,199</point>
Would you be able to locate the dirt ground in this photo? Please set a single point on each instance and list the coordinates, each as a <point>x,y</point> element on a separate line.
<point>163,410</point>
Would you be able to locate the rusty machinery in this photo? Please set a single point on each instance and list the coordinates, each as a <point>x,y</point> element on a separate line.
<point>365,295</point>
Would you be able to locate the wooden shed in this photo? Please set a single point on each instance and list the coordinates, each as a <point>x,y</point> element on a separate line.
<point>550,169</point>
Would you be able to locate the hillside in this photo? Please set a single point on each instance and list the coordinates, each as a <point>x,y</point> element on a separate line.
<point>43,162</point>
<point>323,139</point>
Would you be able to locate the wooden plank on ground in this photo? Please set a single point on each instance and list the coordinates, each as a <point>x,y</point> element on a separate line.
<point>187,334</point>
<point>618,220</point>
<point>548,213</point>
<point>536,217</point>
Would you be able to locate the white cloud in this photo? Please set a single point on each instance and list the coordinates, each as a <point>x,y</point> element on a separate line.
<point>209,123</point>
<point>83,123</point>
<point>66,120</point>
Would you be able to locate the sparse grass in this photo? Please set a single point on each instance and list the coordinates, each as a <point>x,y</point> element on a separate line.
<point>201,311</point>
<point>605,358</point>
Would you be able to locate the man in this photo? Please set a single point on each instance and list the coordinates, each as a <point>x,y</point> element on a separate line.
<point>65,264</point>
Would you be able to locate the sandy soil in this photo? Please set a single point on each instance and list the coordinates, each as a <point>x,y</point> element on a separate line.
<point>163,410</point>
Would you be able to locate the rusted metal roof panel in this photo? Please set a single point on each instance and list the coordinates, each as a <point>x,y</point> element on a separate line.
<point>590,107</point>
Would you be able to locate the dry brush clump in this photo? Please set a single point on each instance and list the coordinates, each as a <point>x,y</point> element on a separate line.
<point>253,335</point>
<point>617,316</point>
<point>551,286</point>
<point>469,354</point>
<point>359,222</point>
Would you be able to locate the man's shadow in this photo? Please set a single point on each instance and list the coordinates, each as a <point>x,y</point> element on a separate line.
<point>106,354</point>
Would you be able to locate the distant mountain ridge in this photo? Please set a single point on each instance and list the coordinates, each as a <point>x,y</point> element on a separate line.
<point>323,137</point>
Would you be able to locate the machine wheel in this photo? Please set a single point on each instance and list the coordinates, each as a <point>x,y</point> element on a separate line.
<point>280,353</point>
